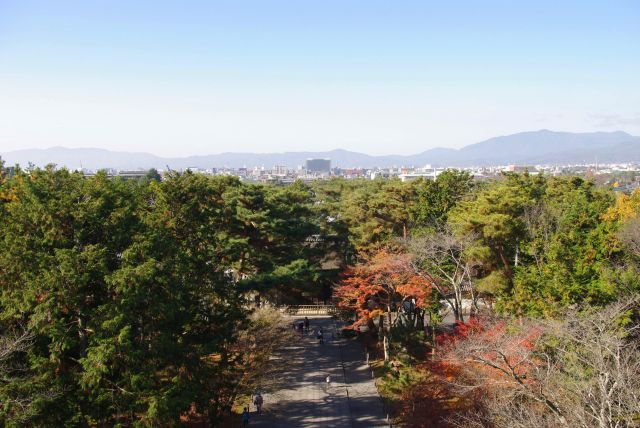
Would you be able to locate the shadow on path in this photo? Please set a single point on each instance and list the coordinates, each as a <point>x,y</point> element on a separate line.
<point>303,398</point>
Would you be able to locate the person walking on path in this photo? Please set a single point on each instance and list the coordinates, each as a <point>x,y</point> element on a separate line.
<point>306,324</point>
<point>320,336</point>
<point>258,400</point>
<point>245,417</point>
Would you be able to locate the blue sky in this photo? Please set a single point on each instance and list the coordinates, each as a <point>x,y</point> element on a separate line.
<point>191,77</point>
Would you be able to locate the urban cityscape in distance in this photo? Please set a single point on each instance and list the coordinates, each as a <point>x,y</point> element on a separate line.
<point>612,157</point>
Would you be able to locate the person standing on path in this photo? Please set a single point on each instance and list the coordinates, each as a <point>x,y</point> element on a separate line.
<point>245,417</point>
<point>320,336</point>
<point>306,324</point>
<point>258,400</point>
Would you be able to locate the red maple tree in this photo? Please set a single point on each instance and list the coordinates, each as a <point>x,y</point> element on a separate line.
<point>476,359</point>
<point>378,286</point>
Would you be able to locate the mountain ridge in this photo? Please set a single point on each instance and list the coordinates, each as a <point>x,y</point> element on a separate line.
<point>530,147</point>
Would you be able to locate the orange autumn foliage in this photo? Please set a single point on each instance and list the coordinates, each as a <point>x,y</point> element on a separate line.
<point>500,354</point>
<point>378,283</point>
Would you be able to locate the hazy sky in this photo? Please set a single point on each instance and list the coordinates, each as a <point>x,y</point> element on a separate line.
<point>392,76</point>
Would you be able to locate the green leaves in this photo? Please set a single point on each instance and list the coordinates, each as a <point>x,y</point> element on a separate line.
<point>541,241</point>
<point>435,199</point>
<point>123,286</point>
<point>132,288</point>
<point>133,291</point>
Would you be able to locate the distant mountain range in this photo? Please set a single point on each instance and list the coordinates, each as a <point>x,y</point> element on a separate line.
<point>530,148</point>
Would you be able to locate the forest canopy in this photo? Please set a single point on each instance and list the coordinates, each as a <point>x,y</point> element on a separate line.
<point>123,301</point>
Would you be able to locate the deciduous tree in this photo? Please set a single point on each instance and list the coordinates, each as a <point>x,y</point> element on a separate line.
<point>443,259</point>
<point>378,287</point>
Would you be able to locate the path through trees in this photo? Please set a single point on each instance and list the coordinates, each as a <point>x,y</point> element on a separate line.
<point>304,398</point>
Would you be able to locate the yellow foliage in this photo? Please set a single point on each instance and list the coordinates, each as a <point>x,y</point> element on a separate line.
<point>625,208</point>
<point>8,195</point>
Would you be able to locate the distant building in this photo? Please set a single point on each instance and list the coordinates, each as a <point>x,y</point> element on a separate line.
<point>280,170</point>
<point>9,171</point>
<point>318,165</point>
<point>521,169</point>
<point>352,172</point>
<point>133,174</point>
<point>380,174</point>
<point>416,175</point>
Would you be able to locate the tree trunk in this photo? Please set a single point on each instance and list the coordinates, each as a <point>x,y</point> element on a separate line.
<point>420,315</point>
<point>385,347</point>
<point>387,331</point>
<point>457,306</point>
<point>82,338</point>
<point>371,325</point>
<point>474,302</point>
<point>507,266</point>
<point>432,333</point>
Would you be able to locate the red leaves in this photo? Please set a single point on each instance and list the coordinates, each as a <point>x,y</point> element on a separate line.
<point>461,331</point>
<point>377,283</point>
<point>478,358</point>
<point>494,354</point>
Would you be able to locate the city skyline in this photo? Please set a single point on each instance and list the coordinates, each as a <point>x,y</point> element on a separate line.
<point>543,147</point>
<point>201,78</point>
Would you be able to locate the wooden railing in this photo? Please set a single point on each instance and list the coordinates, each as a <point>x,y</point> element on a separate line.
<point>310,310</point>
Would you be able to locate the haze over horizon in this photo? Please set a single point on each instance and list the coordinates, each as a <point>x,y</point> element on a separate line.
<point>198,78</point>
<point>543,147</point>
<point>185,154</point>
